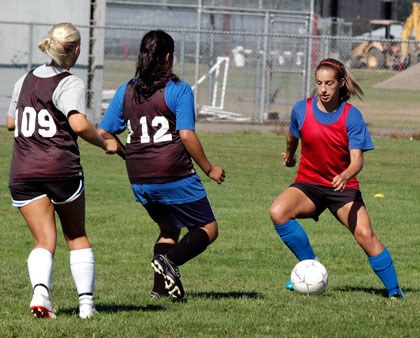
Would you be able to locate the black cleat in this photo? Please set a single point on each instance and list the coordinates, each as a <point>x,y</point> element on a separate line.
<point>171,274</point>
<point>155,295</point>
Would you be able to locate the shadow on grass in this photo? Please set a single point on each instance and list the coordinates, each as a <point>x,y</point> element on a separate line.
<point>222,295</point>
<point>114,308</point>
<point>372,291</point>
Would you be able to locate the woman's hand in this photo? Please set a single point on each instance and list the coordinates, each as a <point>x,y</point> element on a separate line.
<point>216,173</point>
<point>289,161</point>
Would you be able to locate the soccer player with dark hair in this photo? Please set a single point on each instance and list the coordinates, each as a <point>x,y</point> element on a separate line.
<point>158,110</point>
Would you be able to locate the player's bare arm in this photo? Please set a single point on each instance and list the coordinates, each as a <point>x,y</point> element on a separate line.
<point>83,128</point>
<point>193,145</point>
<point>356,165</point>
<point>289,156</point>
<point>119,146</point>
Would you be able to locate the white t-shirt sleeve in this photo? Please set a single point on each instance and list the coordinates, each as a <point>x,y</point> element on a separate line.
<point>15,97</point>
<point>70,95</point>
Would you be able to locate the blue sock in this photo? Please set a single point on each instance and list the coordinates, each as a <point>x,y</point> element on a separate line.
<point>384,268</point>
<point>296,239</point>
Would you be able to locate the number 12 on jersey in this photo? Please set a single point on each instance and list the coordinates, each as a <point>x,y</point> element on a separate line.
<point>161,134</point>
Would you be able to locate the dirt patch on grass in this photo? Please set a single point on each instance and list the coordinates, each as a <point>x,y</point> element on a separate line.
<point>408,79</point>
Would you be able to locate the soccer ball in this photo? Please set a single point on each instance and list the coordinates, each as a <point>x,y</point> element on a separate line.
<point>309,276</point>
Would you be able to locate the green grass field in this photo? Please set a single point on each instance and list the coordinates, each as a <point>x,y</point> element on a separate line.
<point>235,288</point>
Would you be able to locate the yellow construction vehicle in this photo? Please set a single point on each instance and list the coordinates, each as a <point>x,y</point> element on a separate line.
<point>410,53</point>
<point>387,51</point>
<point>379,52</point>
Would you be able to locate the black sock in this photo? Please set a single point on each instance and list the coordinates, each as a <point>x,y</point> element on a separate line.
<point>159,282</point>
<point>190,246</point>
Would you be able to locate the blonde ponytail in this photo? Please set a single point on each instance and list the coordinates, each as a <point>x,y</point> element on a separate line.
<point>59,43</point>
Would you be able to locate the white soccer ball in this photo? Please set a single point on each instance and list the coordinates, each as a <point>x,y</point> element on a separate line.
<point>309,276</point>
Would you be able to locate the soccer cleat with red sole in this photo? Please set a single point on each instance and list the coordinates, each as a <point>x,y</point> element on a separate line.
<point>41,307</point>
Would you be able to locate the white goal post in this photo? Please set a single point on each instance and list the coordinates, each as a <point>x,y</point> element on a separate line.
<point>222,61</point>
<point>214,111</point>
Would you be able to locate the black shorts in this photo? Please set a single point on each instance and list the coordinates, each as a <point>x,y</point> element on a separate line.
<point>325,197</point>
<point>59,192</point>
<point>193,214</point>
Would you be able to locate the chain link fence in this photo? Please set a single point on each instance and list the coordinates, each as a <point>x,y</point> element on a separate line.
<point>24,55</point>
<point>249,63</point>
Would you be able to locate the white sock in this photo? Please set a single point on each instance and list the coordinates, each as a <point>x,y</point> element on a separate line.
<point>40,264</point>
<point>82,264</point>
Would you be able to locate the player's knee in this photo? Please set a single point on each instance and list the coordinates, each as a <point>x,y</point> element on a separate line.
<point>364,235</point>
<point>213,235</point>
<point>212,231</point>
<point>278,215</point>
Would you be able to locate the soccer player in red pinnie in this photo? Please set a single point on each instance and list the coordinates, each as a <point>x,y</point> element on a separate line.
<point>333,138</point>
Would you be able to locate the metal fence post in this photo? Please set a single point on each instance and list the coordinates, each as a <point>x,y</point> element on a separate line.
<point>258,79</point>
<point>308,67</point>
<point>197,53</point>
<point>30,56</point>
<point>182,57</point>
<point>264,69</point>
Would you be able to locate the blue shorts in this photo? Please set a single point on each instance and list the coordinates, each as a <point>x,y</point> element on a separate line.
<point>59,192</point>
<point>185,190</point>
<point>182,203</point>
<point>193,214</point>
<point>325,197</point>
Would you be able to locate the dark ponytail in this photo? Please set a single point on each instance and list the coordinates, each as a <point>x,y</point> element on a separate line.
<point>154,64</point>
